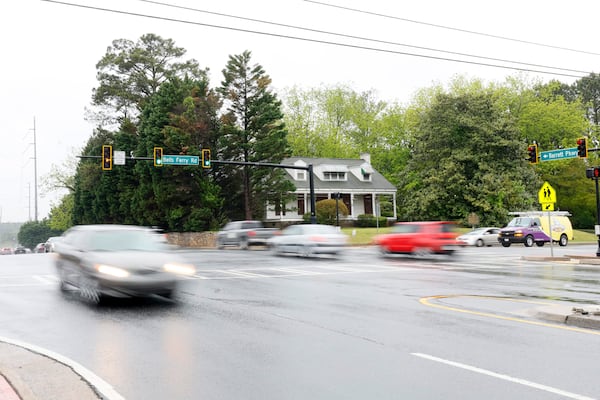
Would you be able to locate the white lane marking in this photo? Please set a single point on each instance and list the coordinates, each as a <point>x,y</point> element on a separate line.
<point>105,389</point>
<point>288,272</point>
<point>508,378</point>
<point>45,279</point>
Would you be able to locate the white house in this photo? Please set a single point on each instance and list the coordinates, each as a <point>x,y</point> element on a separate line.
<point>359,185</point>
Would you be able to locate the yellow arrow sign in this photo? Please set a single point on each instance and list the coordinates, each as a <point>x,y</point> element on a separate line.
<point>547,206</point>
<point>547,194</point>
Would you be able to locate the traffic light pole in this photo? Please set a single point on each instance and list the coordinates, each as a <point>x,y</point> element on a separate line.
<point>597,228</point>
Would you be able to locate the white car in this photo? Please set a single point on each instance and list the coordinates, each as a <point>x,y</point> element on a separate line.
<point>480,237</point>
<point>308,239</point>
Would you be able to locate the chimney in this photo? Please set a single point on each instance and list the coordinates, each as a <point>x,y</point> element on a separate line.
<point>366,157</point>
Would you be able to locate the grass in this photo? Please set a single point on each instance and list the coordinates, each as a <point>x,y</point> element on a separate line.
<point>364,236</point>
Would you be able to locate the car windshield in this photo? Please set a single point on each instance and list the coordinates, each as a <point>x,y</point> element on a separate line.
<point>519,222</point>
<point>476,232</point>
<point>126,240</point>
<point>405,228</point>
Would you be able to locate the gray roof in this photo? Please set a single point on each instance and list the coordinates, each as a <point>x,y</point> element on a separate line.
<point>377,183</point>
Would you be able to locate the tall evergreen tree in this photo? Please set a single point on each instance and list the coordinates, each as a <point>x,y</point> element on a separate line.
<point>253,131</point>
<point>181,118</point>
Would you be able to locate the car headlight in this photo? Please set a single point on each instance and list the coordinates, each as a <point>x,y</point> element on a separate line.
<point>112,271</point>
<point>180,269</point>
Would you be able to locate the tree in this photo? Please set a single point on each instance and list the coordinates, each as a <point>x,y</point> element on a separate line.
<point>33,232</point>
<point>327,211</point>
<point>181,118</point>
<point>130,73</point>
<point>339,122</point>
<point>253,131</point>
<point>466,157</point>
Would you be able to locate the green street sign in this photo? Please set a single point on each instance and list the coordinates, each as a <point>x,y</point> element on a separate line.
<point>168,159</point>
<point>558,154</point>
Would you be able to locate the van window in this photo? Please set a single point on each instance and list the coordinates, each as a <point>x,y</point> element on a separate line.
<point>520,222</point>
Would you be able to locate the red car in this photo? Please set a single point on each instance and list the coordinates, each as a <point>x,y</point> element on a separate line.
<point>420,238</point>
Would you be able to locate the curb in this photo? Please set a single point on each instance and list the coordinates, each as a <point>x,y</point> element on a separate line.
<point>584,317</point>
<point>34,373</point>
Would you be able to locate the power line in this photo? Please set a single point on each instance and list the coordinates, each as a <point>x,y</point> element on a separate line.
<point>354,46</point>
<point>451,28</point>
<point>360,37</point>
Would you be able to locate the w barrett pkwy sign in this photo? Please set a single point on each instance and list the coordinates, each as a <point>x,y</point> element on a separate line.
<point>180,160</point>
<point>559,154</point>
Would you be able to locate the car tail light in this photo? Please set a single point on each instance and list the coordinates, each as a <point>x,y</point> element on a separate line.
<point>252,233</point>
<point>317,239</point>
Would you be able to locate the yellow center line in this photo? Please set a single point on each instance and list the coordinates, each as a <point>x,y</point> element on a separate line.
<point>427,301</point>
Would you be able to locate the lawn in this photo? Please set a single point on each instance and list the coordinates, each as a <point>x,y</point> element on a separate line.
<point>364,236</point>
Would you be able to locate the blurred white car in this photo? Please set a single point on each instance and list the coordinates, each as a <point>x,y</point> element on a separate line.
<point>480,237</point>
<point>308,240</point>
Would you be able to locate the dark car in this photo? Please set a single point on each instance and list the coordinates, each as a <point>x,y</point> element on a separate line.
<point>420,238</point>
<point>118,261</point>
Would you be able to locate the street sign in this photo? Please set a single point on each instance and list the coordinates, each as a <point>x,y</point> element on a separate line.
<point>547,194</point>
<point>119,157</point>
<point>559,154</point>
<point>547,206</point>
<point>168,159</point>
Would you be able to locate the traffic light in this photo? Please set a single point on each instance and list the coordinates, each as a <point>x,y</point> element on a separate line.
<point>532,154</point>
<point>205,158</point>
<point>593,173</point>
<point>107,157</point>
<point>158,154</point>
<point>582,150</point>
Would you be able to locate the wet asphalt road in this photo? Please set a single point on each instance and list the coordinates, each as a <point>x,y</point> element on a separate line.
<point>254,326</point>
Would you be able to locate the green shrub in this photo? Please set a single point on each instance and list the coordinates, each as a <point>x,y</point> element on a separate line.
<point>369,221</point>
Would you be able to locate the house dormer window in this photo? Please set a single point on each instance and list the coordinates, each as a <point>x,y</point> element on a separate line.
<point>334,176</point>
<point>300,175</point>
<point>366,172</point>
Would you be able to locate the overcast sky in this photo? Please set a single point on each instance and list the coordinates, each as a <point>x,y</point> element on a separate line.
<point>50,50</point>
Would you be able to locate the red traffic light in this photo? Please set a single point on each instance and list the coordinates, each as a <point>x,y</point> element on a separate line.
<point>582,149</point>
<point>532,154</point>
<point>593,173</point>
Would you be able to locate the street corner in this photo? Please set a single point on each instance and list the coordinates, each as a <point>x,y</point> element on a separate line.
<point>587,316</point>
<point>30,375</point>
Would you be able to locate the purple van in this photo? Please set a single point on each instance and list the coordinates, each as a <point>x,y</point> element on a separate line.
<point>526,230</point>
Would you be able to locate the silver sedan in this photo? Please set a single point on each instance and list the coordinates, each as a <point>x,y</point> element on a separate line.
<point>480,237</point>
<point>308,240</point>
<point>118,261</point>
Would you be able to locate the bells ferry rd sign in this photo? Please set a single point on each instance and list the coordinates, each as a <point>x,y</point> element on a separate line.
<point>180,160</point>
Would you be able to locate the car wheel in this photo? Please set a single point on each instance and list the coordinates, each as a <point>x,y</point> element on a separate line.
<point>479,243</point>
<point>62,284</point>
<point>383,251</point>
<point>529,241</point>
<point>307,251</point>
<point>422,252</point>
<point>505,244</point>
<point>244,243</point>
<point>539,244</point>
<point>275,250</point>
<point>563,240</point>
<point>89,290</point>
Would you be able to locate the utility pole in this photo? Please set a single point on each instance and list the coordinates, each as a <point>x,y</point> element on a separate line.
<point>35,188</point>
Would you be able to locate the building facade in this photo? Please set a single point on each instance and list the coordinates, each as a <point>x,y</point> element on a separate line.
<point>355,181</point>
